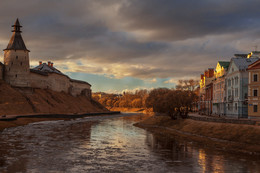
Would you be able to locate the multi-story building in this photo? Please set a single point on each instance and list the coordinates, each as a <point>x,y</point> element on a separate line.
<point>219,94</point>
<point>205,97</point>
<point>237,85</point>
<point>253,90</point>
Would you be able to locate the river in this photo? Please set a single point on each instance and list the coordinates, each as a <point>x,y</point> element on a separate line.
<point>108,144</point>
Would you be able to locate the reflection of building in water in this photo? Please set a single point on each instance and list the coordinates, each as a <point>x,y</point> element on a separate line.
<point>210,163</point>
<point>177,150</point>
<point>217,164</point>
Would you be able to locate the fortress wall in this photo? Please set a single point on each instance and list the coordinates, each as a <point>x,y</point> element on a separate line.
<point>79,88</point>
<point>39,81</point>
<point>59,82</point>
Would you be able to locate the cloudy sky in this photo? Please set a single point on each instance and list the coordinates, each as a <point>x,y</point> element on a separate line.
<point>128,44</point>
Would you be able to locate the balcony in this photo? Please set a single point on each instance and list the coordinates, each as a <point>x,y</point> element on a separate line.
<point>230,98</point>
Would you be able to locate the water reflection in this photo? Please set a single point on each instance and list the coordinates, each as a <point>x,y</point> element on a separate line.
<point>193,158</point>
<point>108,144</point>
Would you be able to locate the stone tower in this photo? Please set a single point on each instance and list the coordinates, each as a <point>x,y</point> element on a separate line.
<point>16,60</point>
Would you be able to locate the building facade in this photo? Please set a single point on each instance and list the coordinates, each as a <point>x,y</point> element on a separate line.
<point>237,86</point>
<point>219,87</point>
<point>205,96</point>
<point>16,70</point>
<point>253,90</point>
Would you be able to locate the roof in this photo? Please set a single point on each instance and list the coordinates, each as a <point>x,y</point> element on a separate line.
<point>243,63</point>
<point>16,42</point>
<point>224,64</point>
<point>255,65</point>
<point>240,55</point>
<point>79,81</point>
<point>44,70</point>
<point>39,72</point>
<point>47,69</point>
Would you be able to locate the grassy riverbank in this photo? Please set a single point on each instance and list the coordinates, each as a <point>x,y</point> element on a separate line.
<point>233,137</point>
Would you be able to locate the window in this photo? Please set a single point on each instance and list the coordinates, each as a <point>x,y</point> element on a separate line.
<point>21,63</point>
<point>16,75</point>
<point>255,92</point>
<point>16,57</point>
<point>229,93</point>
<point>255,108</point>
<point>236,80</point>
<point>232,81</point>
<point>255,76</point>
<point>236,106</point>
<point>236,92</point>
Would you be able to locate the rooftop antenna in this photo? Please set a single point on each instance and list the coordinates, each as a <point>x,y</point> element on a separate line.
<point>255,47</point>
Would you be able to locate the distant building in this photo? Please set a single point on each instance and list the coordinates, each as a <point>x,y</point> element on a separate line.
<point>206,92</point>
<point>237,85</point>
<point>17,73</point>
<point>253,90</point>
<point>219,94</point>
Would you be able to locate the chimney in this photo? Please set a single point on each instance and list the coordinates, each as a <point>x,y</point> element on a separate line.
<point>49,63</point>
<point>40,62</point>
<point>211,72</point>
<point>52,64</point>
<point>202,76</point>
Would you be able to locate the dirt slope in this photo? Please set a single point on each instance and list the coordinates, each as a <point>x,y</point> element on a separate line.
<point>15,101</point>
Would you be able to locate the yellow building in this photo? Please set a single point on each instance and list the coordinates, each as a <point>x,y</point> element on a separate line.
<point>253,90</point>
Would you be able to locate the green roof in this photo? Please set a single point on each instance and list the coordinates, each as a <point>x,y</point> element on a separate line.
<point>224,64</point>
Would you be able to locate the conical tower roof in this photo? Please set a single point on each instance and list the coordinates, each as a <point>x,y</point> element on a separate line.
<point>16,42</point>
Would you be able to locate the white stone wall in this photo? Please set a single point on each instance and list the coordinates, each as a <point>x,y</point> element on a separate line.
<point>17,68</point>
<point>59,83</point>
<point>78,88</point>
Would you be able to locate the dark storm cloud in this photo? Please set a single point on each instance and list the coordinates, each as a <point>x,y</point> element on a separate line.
<point>142,38</point>
<point>174,19</point>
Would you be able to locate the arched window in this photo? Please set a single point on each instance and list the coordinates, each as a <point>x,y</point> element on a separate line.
<point>16,57</point>
<point>21,63</point>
